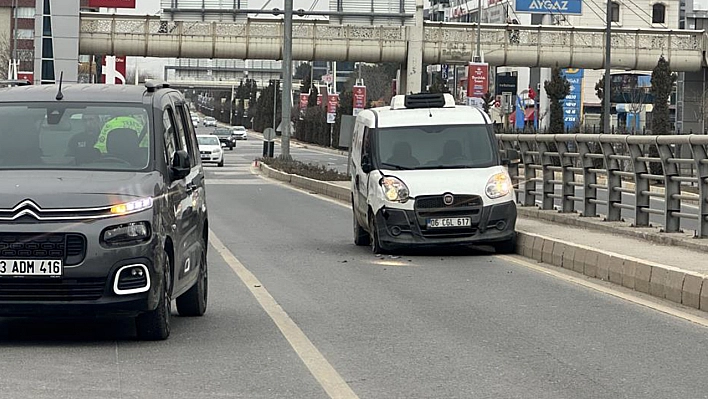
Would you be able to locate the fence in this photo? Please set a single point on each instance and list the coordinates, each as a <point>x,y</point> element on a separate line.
<point>563,170</point>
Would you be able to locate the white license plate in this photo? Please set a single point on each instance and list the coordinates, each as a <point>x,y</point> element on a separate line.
<point>449,222</point>
<point>25,267</point>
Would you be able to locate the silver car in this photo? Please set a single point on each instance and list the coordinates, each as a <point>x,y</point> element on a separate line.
<point>239,132</point>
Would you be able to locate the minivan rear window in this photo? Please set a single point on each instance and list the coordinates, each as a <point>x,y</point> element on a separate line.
<point>435,147</point>
<point>74,136</point>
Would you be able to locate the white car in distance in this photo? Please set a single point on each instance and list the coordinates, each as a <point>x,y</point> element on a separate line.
<point>210,149</point>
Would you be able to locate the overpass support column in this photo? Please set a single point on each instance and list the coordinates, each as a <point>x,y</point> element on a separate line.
<point>414,65</point>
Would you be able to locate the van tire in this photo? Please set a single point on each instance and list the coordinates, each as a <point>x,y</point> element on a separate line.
<point>506,247</point>
<point>375,241</point>
<point>155,324</point>
<point>361,237</point>
<point>194,301</point>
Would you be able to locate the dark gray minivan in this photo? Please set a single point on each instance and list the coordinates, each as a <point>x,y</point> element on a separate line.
<point>102,204</point>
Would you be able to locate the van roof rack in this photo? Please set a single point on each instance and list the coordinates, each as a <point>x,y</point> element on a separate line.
<point>153,84</point>
<point>15,82</point>
<point>425,100</point>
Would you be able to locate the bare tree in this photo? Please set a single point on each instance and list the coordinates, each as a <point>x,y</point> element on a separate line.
<point>5,55</point>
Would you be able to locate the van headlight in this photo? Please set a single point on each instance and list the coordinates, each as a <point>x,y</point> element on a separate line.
<point>124,234</point>
<point>498,185</point>
<point>394,189</point>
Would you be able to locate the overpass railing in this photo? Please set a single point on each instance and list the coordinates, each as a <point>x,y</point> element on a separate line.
<point>641,175</point>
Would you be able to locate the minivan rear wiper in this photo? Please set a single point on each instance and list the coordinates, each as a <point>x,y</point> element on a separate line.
<point>399,167</point>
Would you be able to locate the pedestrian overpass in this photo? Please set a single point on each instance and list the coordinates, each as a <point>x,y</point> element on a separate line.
<point>501,45</point>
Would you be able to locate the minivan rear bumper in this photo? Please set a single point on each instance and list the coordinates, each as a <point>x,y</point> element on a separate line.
<point>402,228</point>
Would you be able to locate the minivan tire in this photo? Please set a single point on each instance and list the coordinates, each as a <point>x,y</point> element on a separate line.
<point>155,324</point>
<point>506,247</point>
<point>361,237</point>
<point>376,247</point>
<point>194,301</point>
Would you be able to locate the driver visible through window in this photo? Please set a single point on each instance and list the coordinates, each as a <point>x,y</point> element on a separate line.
<point>73,136</point>
<point>434,147</point>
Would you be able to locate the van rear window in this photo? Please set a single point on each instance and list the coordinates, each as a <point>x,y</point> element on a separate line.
<point>435,147</point>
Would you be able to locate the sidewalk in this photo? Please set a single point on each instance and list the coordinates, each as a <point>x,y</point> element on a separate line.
<point>670,266</point>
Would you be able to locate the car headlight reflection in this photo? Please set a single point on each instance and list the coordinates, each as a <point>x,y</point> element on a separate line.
<point>394,189</point>
<point>498,185</point>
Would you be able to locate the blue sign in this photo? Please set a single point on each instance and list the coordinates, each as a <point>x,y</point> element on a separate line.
<point>573,102</point>
<point>573,7</point>
<point>445,71</point>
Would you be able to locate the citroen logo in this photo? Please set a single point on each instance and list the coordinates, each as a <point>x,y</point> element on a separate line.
<point>448,199</point>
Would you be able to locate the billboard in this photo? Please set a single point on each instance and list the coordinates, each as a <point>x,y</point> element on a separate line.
<point>332,104</point>
<point>573,102</point>
<point>112,3</point>
<point>567,7</point>
<point>359,98</point>
<point>477,79</point>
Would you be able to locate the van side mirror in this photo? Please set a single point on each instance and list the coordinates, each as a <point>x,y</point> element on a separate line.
<point>181,165</point>
<point>510,157</point>
<point>366,164</point>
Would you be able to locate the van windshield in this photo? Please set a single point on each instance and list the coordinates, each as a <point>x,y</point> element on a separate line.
<point>74,136</point>
<point>435,147</point>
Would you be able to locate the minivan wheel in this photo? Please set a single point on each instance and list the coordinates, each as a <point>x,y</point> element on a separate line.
<point>506,247</point>
<point>375,241</point>
<point>361,237</point>
<point>194,301</point>
<point>155,324</point>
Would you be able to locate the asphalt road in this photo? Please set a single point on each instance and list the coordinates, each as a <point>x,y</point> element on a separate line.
<point>295,308</point>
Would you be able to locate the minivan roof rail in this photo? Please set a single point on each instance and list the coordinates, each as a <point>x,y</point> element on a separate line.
<point>153,84</point>
<point>15,82</point>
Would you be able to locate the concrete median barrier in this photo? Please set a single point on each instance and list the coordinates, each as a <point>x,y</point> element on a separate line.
<point>661,281</point>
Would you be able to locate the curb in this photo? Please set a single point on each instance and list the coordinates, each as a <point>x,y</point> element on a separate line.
<point>661,281</point>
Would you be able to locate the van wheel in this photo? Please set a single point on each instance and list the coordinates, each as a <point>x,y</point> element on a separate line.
<point>194,301</point>
<point>506,247</point>
<point>361,237</point>
<point>155,324</point>
<point>375,241</point>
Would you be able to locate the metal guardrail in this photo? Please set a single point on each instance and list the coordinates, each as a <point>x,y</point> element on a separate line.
<point>571,168</point>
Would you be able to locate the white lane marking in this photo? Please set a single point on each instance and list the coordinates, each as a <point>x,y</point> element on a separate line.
<point>321,369</point>
<point>649,303</point>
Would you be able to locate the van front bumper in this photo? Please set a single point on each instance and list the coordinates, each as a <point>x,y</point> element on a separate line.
<point>403,228</point>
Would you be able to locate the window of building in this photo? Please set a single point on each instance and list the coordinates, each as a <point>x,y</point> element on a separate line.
<point>47,26</point>
<point>24,33</point>
<point>48,70</point>
<point>658,13</point>
<point>47,48</point>
<point>24,12</point>
<point>615,8</point>
<point>47,9</point>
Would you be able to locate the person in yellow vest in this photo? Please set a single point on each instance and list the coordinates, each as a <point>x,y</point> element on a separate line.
<point>131,122</point>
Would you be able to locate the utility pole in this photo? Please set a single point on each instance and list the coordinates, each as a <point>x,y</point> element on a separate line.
<point>231,107</point>
<point>606,89</point>
<point>478,53</point>
<point>287,78</point>
<point>15,63</point>
<point>276,85</point>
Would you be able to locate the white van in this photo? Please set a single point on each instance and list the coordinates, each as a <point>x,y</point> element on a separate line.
<point>428,172</point>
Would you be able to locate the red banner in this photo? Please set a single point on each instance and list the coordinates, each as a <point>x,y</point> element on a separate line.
<point>332,104</point>
<point>477,79</point>
<point>304,97</point>
<point>359,97</point>
<point>112,3</point>
<point>28,76</point>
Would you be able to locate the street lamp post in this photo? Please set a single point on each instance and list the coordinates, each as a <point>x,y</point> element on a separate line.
<point>287,78</point>
<point>606,89</point>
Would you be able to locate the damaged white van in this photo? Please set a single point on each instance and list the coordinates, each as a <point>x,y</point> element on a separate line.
<point>427,172</point>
